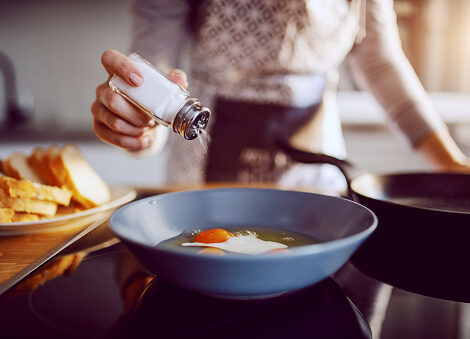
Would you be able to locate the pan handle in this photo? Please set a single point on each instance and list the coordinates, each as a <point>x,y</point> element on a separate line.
<point>305,157</point>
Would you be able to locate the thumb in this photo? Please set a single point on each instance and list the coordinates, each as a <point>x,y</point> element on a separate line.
<point>178,77</point>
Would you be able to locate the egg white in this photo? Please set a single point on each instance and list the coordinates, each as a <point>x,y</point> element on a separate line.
<point>243,244</point>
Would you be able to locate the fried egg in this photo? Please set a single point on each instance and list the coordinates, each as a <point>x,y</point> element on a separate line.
<point>243,243</point>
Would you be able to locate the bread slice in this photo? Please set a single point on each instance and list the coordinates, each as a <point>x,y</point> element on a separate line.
<point>22,217</point>
<point>16,166</point>
<point>6,214</point>
<point>51,153</point>
<point>2,172</point>
<point>73,171</point>
<point>41,207</point>
<point>39,162</point>
<point>74,207</point>
<point>26,189</point>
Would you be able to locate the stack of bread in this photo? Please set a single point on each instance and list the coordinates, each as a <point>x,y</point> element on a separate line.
<point>49,182</point>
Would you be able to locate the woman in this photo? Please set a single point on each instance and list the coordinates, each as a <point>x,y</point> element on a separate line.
<point>269,71</point>
<point>285,55</point>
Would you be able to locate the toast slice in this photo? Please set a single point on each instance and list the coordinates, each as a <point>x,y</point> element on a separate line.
<point>27,205</point>
<point>39,162</point>
<point>73,171</point>
<point>22,217</point>
<point>74,207</point>
<point>2,172</point>
<point>26,189</point>
<point>6,214</point>
<point>16,166</point>
<point>51,153</point>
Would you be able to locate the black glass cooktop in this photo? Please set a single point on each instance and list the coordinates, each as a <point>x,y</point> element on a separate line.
<point>88,292</point>
<point>109,296</point>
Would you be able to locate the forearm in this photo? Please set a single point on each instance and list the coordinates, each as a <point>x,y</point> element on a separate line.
<point>380,66</point>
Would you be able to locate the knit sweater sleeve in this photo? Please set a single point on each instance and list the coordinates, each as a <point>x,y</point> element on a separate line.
<point>379,65</point>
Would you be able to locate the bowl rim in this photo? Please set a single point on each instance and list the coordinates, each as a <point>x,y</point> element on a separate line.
<point>295,252</point>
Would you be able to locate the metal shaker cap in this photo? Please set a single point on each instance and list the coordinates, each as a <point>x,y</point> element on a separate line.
<point>191,119</point>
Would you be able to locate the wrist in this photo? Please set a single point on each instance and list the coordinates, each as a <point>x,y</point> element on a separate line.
<point>442,152</point>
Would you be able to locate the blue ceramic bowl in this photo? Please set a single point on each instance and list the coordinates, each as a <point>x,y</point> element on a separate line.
<point>342,224</point>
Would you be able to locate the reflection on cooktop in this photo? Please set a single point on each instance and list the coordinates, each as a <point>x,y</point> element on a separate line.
<point>105,297</point>
<point>85,304</point>
<point>321,311</point>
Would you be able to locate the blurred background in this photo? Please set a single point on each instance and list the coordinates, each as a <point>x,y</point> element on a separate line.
<point>50,66</point>
<point>54,47</point>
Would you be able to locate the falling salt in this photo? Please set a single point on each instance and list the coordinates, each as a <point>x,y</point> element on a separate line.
<point>204,140</point>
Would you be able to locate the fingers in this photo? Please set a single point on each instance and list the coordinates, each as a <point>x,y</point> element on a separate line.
<point>117,63</point>
<point>125,141</point>
<point>121,107</point>
<point>178,77</point>
<point>114,122</point>
<point>118,122</point>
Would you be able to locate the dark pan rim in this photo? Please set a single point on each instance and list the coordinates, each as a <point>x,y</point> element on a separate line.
<point>399,174</point>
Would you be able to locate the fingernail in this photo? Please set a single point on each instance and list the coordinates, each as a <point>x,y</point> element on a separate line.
<point>151,123</point>
<point>180,79</point>
<point>136,79</point>
<point>147,140</point>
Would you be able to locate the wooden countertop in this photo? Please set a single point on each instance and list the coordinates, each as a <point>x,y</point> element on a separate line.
<point>21,255</point>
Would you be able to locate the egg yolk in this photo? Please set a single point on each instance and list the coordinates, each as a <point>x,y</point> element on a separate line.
<point>213,236</point>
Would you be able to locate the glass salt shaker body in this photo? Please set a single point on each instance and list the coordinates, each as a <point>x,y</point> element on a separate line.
<point>163,101</point>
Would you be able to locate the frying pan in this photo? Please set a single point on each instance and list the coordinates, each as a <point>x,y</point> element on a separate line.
<point>423,236</point>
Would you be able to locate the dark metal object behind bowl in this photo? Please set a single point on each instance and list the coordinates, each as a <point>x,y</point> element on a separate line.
<point>15,116</point>
<point>422,239</point>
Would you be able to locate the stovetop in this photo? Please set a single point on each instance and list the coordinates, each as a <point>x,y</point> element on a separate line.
<point>104,297</point>
<point>107,294</point>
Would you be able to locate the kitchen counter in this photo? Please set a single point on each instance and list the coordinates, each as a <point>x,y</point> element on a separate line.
<point>43,135</point>
<point>98,313</point>
<point>87,302</point>
<point>360,108</point>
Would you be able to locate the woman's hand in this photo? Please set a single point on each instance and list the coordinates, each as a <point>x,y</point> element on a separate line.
<point>441,150</point>
<point>116,120</point>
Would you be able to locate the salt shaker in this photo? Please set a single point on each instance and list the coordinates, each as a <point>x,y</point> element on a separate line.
<point>163,101</point>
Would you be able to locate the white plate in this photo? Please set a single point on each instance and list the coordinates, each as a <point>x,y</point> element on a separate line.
<point>120,195</point>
